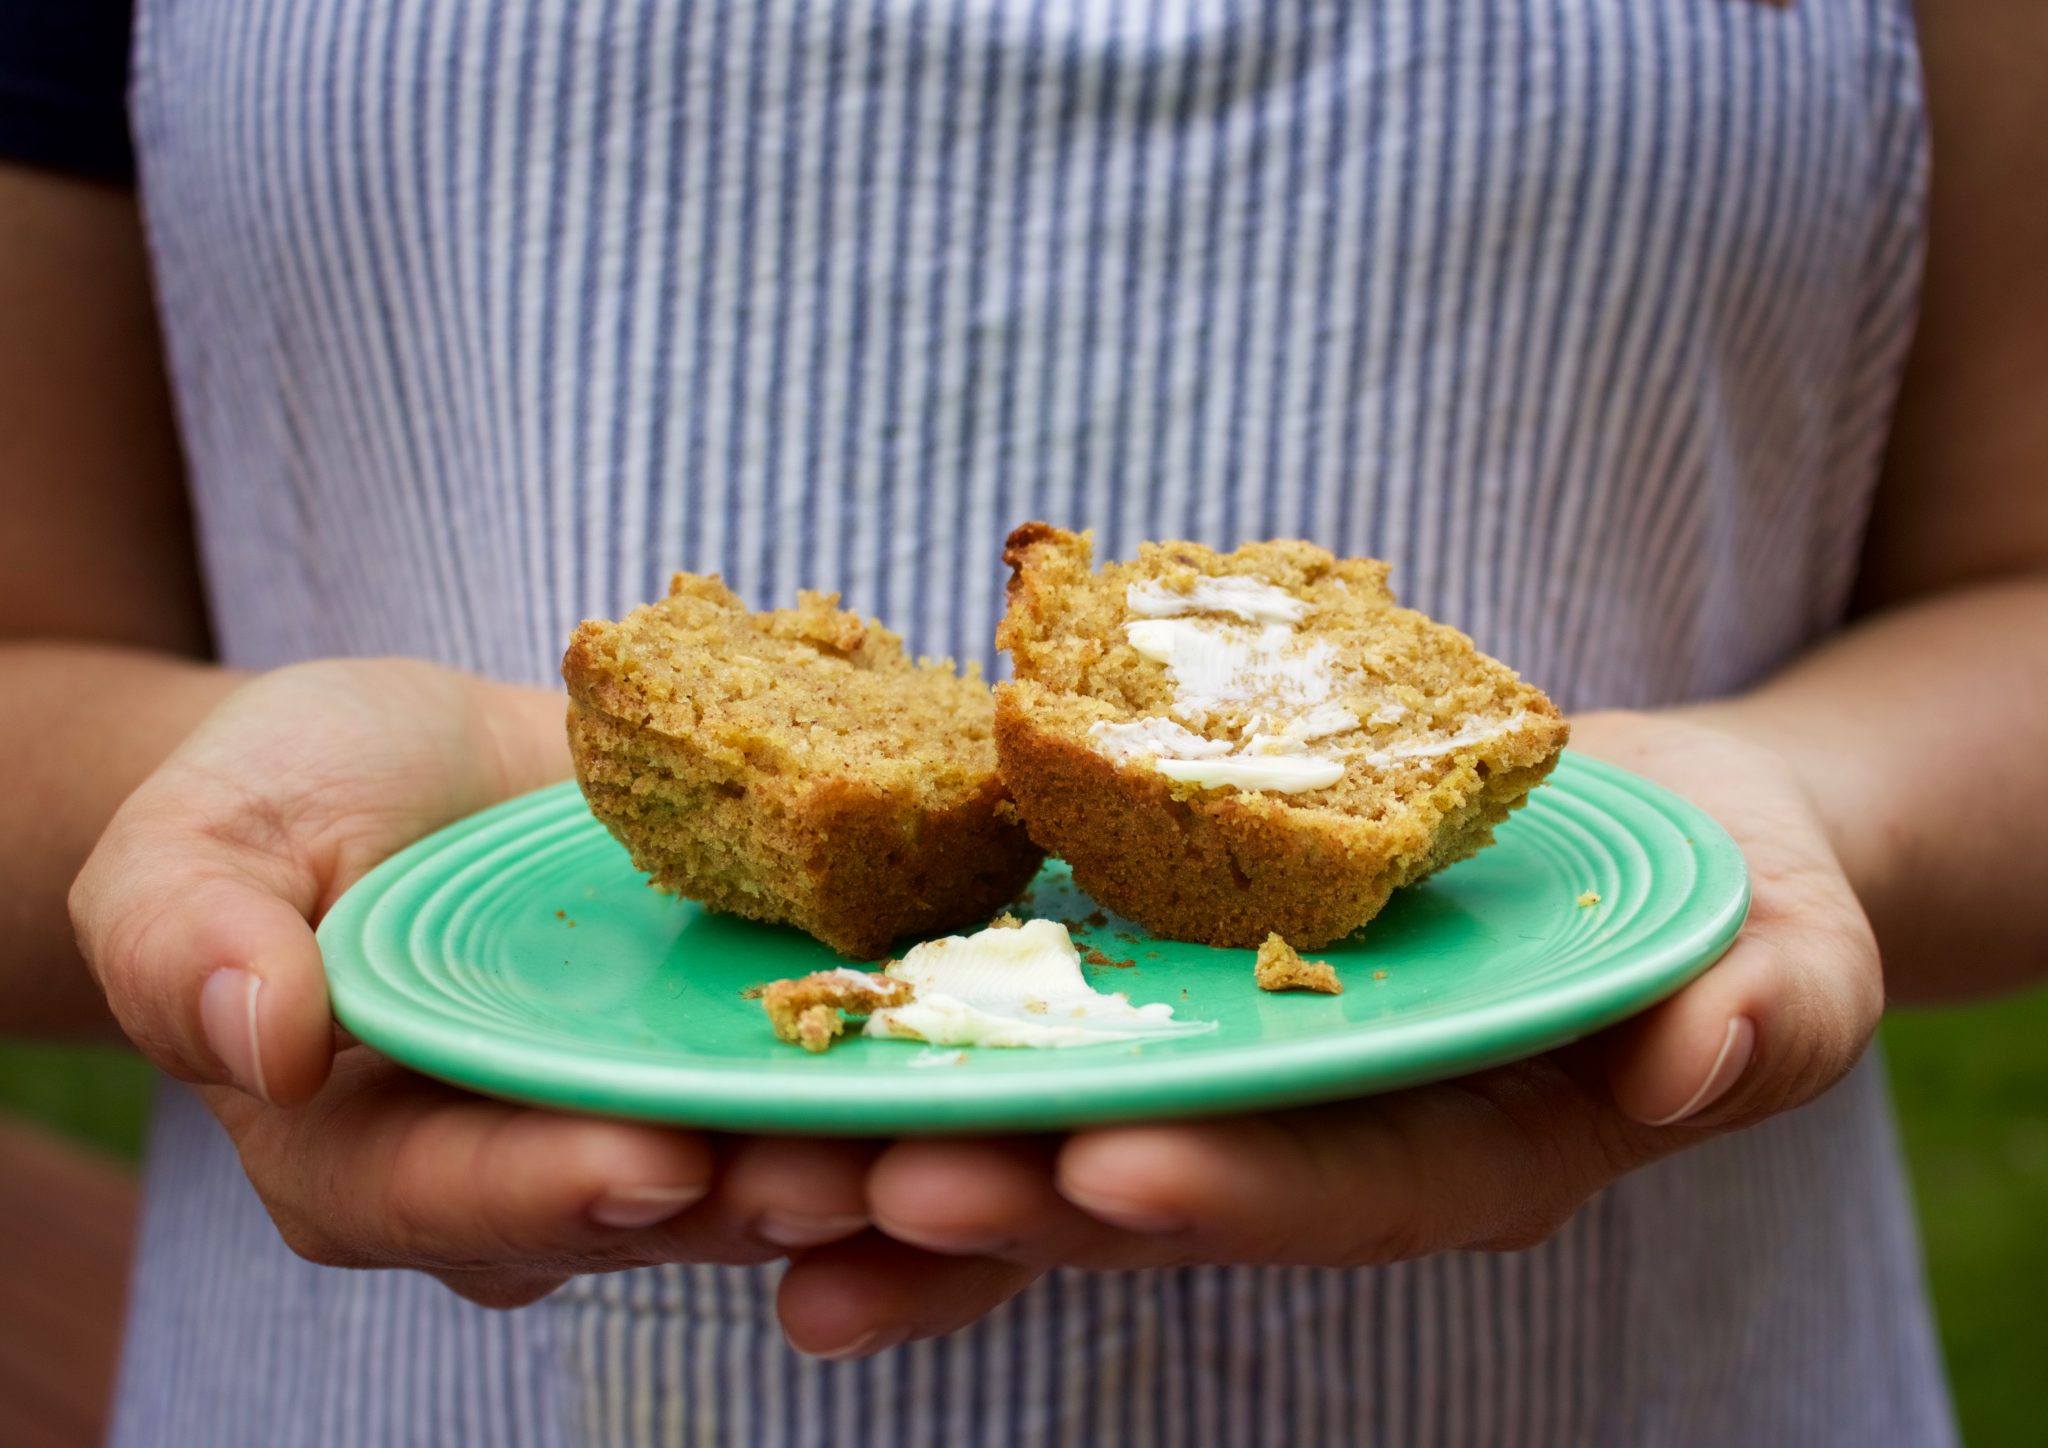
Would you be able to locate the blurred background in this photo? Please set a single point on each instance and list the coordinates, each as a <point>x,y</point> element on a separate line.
<point>1971,1088</point>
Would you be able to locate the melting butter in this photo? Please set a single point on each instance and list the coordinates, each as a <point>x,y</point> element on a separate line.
<point>1252,660</point>
<point>1286,773</point>
<point>1216,665</point>
<point>1433,746</point>
<point>1154,738</point>
<point>1017,986</point>
<point>1252,599</point>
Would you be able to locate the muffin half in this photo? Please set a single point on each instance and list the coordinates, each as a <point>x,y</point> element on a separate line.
<point>794,766</point>
<point>1227,745</point>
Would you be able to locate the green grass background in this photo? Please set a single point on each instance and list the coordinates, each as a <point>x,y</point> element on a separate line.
<point>1972,1093</point>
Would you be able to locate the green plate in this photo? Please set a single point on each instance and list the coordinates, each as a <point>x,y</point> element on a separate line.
<point>520,954</point>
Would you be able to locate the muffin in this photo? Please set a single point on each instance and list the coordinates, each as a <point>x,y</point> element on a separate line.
<point>1230,745</point>
<point>794,766</point>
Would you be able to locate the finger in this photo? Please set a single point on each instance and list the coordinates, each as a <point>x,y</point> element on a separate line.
<point>206,957</point>
<point>772,1196</point>
<point>391,1170</point>
<point>869,1294</point>
<point>499,1288</point>
<point>996,1197</point>
<point>789,1193</point>
<point>1498,1160</point>
<point>1777,1020</point>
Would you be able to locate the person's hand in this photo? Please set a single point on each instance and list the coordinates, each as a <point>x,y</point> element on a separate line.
<point>1496,1161</point>
<point>196,914</point>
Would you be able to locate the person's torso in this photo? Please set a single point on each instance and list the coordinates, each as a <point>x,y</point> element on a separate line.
<point>486,314</point>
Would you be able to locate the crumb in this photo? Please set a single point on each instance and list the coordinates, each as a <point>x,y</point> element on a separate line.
<point>561,915</point>
<point>1005,921</point>
<point>1097,920</point>
<point>806,1011</point>
<point>1379,975</point>
<point>1096,957</point>
<point>1590,897</point>
<point>1076,926</point>
<point>1183,995</point>
<point>1126,937</point>
<point>1279,968</point>
<point>572,925</point>
<point>754,992</point>
<point>1152,955</point>
<point>1037,1008</point>
<point>817,1027</point>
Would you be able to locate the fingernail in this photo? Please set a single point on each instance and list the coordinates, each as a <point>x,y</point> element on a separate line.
<point>788,1231</point>
<point>1118,1213</point>
<point>227,1017</point>
<point>866,1345</point>
<point>1736,1048</point>
<point>631,1208</point>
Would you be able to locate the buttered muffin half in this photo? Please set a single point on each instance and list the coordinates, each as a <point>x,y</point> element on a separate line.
<point>1229,745</point>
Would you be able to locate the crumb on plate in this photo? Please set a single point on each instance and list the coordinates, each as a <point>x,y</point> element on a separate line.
<point>1280,968</point>
<point>807,1011</point>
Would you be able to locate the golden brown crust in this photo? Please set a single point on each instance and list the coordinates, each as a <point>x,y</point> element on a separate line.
<point>1228,867</point>
<point>1280,968</point>
<point>795,767</point>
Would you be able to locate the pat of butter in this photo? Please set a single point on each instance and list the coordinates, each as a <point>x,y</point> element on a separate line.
<point>1013,987</point>
<point>1434,746</point>
<point>1154,737</point>
<point>1251,599</point>
<point>1214,665</point>
<point>1284,773</point>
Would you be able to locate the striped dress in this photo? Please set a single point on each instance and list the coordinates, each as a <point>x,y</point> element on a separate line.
<point>1588,314</point>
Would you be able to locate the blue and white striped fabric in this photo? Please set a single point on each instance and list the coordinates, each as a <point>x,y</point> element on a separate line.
<point>1588,314</point>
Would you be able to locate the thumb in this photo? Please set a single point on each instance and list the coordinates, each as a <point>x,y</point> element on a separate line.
<point>204,951</point>
<point>1778,1020</point>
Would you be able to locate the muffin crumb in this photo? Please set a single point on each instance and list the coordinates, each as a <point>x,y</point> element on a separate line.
<point>1279,967</point>
<point>810,1010</point>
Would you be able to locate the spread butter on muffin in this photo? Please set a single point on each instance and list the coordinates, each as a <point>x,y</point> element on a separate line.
<point>1229,745</point>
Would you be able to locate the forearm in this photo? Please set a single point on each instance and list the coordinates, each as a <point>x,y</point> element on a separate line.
<point>1922,734</point>
<point>80,726</point>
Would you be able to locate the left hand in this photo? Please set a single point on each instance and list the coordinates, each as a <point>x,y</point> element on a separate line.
<point>1497,1161</point>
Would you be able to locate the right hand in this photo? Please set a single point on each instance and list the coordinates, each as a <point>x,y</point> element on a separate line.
<point>196,914</point>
